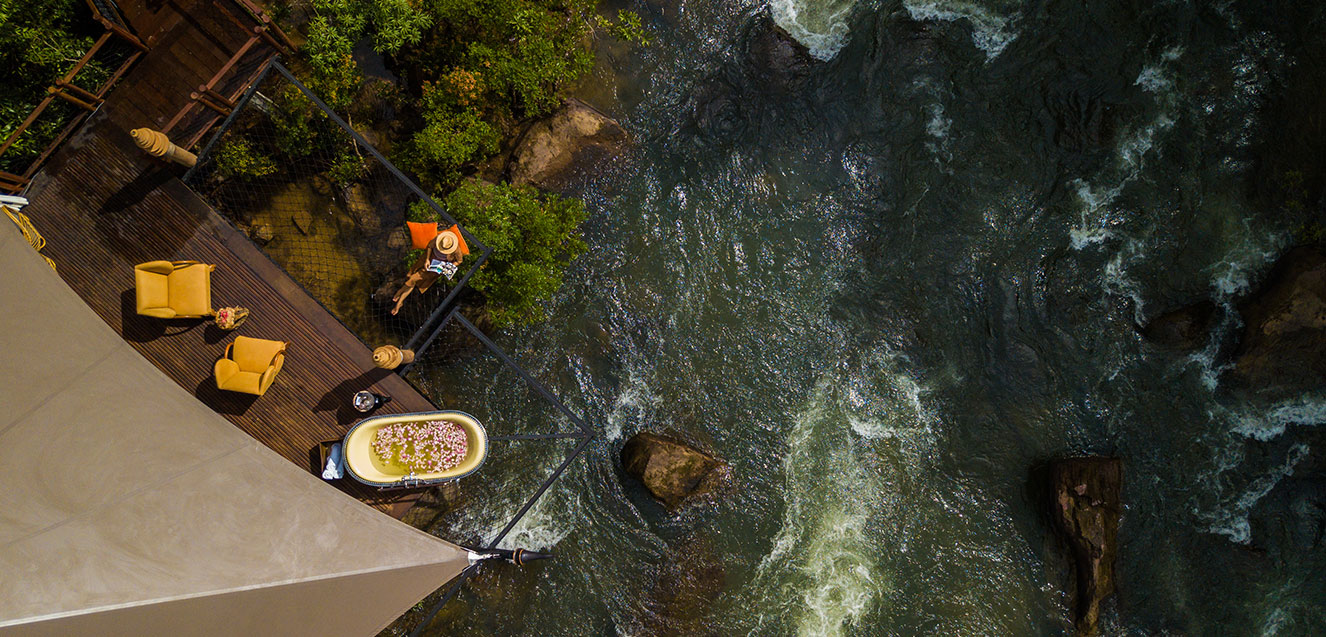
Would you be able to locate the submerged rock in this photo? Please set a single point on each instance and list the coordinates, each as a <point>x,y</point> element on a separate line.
<point>1185,328</point>
<point>261,233</point>
<point>690,581</point>
<point>303,221</point>
<point>673,471</point>
<point>361,208</point>
<point>398,239</point>
<point>578,134</point>
<point>1086,511</point>
<point>1283,347</point>
<point>775,58</point>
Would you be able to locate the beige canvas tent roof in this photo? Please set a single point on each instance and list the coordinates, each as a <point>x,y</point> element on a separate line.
<point>128,507</point>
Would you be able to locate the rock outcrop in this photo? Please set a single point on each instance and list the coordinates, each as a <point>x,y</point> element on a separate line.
<point>1282,351</point>
<point>672,471</point>
<point>775,58</point>
<point>576,135</point>
<point>1183,329</point>
<point>1086,511</point>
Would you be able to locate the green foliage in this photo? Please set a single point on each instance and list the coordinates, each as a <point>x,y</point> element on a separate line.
<point>533,237</point>
<point>627,28</point>
<point>398,23</point>
<point>235,157</point>
<point>528,50</point>
<point>293,117</point>
<point>335,27</point>
<point>40,41</point>
<point>453,136</point>
<point>347,167</point>
<point>332,33</point>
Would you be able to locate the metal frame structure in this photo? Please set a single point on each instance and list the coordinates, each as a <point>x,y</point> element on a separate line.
<point>442,315</point>
<point>583,433</point>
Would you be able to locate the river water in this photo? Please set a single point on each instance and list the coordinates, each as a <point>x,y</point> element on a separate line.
<point>886,291</point>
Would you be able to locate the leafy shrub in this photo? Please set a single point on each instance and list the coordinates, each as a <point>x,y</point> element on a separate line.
<point>293,117</point>
<point>533,237</point>
<point>450,140</point>
<point>331,39</point>
<point>528,50</point>
<point>347,167</point>
<point>235,157</point>
<point>39,42</point>
<point>627,28</point>
<point>397,23</point>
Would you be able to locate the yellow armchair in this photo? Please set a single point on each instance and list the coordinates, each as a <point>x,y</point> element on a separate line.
<point>250,365</point>
<point>174,289</point>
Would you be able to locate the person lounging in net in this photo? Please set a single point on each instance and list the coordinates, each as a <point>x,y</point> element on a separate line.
<point>441,258</point>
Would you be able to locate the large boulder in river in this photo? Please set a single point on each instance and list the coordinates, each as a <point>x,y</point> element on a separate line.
<point>1086,511</point>
<point>576,135</point>
<point>1283,348</point>
<point>673,471</point>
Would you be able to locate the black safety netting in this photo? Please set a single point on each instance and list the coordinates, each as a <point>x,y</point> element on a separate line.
<point>324,206</point>
<point>534,438</point>
<point>331,211</point>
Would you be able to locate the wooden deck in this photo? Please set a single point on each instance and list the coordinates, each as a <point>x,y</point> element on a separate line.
<point>104,206</point>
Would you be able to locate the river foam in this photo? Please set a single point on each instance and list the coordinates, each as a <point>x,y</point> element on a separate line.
<point>821,555</point>
<point>820,25</point>
<point>825,556</point>
<point>992,28</point>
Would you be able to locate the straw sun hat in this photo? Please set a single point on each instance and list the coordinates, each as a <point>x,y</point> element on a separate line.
<point>445,242</point>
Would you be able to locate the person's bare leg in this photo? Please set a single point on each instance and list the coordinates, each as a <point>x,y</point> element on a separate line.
<point>400,298</point>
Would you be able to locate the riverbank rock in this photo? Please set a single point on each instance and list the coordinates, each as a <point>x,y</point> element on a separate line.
<point>672,471</point>
<point>1282,351</point>
<point>576,135</point>
<point>775,58</point>
<point>1183,329</point>
<point>1086,511</point>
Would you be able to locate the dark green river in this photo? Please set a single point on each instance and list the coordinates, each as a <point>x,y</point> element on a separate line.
<point>886,287</point>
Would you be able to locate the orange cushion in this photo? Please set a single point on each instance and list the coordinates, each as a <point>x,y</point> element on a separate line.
<point>460,239</point>
<point>421,234</point>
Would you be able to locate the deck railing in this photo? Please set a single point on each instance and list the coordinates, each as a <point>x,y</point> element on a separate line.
<point>220,95</point>
<point>64,88</point>
<point>207,105</point>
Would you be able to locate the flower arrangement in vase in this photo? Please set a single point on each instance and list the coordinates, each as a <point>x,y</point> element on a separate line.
<point>229,318</point>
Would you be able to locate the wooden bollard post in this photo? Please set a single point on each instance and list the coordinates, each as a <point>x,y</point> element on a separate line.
<point>391,357</point>
<point>158,145</point>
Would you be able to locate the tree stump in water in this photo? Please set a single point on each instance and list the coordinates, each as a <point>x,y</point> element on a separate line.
<point>1086,512</point>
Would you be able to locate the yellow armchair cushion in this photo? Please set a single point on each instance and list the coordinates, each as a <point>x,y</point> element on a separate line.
<point>170,289</point>
<point>224,370</point>
<point>256,354</point>
<point>190,289</point>
<point>245,383</point>
<point>250,365</point>
<point>152,290</point>
<point>157,267</point>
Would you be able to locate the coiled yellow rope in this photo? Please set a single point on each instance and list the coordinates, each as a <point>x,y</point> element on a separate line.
<point>29,232</point>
